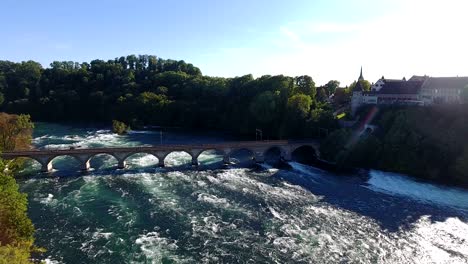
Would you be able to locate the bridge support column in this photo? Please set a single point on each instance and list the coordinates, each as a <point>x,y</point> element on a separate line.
<point>194,161</point>
<point>122,164</point>
<point>85,166</point>
<point>46,167</point>
<point>286,156</point>
<point>161,162</point>
<point>259,158</point>
<point>226,159</point>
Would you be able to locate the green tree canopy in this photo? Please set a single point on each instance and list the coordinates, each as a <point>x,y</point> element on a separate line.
<point>263,107</point>
<point>331,86</point>
<point>306,85</point>
<point>148,90</point>
<point>299,105</point>
<point>16,229</point>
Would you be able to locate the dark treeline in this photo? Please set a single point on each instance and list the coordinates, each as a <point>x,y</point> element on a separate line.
<point>146,90</point>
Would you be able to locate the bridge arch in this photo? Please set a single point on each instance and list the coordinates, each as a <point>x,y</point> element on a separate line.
<point>274,154</point>
<point>304,153</point>
<point>49,165</point>
<point>152,161</point>
<point>33,164</point>
<point>94,163</point>
<point>219,155</point>
<point>242,152</point>
<point>179,161</point>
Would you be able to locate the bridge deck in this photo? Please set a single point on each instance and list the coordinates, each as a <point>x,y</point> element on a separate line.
<point>84,155</point>
<point>165,147</point>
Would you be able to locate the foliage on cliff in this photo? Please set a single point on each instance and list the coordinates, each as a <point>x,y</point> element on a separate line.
<point>16,229</point>
<point>429,142</point>
<point>146,90</point>
<point>15,132</point>
<point>119,127</point>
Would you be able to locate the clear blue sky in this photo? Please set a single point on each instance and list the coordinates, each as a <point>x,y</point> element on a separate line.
<point>324,39</point>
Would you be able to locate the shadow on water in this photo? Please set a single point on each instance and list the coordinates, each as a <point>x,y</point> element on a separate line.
<point>392,211</point>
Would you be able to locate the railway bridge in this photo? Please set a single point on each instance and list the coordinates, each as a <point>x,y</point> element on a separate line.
<point>258,149</point>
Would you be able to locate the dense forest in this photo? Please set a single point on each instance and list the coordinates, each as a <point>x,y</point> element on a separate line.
<point>427,142</point>
<point>146,90</point>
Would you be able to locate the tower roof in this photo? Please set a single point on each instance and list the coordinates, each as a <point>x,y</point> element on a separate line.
<point>358,87</point>
<point>361,78</point>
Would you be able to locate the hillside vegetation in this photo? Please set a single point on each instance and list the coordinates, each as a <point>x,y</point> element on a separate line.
<point>427,142</point>
<point>16,229</point>
<point>146,90</point>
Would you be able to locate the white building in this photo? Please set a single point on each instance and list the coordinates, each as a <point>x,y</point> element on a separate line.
<point>419,90</point>
<point>442,89</point>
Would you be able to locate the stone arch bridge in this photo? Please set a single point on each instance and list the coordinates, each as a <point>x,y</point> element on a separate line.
<point>257,148</point>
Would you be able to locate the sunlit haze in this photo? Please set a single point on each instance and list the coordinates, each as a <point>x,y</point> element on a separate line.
<point>324,39</point>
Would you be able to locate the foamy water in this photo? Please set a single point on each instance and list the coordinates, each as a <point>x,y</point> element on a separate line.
<point>425,192</point>
<point>243,215</point>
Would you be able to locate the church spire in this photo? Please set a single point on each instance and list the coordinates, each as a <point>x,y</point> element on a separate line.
<point>358,87</point>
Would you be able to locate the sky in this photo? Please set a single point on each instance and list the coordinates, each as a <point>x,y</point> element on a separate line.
<point>326,39</point>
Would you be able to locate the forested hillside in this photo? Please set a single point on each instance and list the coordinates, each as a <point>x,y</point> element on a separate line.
<point>427,142</point>
<point>146,90</point>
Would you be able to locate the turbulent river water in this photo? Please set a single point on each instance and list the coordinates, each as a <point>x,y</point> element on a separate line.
<point>235,214</point>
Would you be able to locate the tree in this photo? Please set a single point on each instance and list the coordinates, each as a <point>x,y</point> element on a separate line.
<point>147,90</point>
<point>321,95</point>
<point>331,86</point>
<point>15,226</point>
<point>263,107</point>
<point>306,85</point>
<point>15,132</point>
<point>299,105</point>
<point>334,145</point>
<point>119,127</point>
<point>16,229</point>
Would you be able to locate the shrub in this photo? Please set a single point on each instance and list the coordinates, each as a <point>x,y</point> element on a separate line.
<point>119,127</point>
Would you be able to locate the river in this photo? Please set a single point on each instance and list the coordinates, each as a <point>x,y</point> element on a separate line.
<point>235,214</point>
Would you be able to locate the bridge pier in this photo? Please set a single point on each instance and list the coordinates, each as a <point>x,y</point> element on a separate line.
<point>286,156</point>
<point>259,158</point>
<point>226,159</point>
<point>46,167</point>
<point>194,161</point>
<point>85,166</point>
<point>122,164</point>
<point>161,162</point>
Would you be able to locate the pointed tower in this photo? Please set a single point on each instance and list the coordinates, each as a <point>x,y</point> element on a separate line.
<point>361,78</point>
<point>356,99</point>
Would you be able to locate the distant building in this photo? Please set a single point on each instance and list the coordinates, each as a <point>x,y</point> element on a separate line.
<point>442,89</point>
<point>418,90</point>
